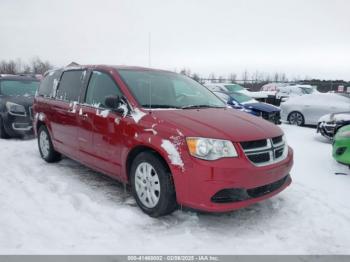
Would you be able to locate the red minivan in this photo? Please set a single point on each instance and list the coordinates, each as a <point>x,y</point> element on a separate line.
<point>166,135</point>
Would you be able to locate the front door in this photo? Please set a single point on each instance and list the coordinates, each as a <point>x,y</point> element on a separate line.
<point>100,133</point>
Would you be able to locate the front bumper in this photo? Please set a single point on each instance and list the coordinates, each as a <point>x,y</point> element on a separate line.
<point>18,125</point>
<point>205,182</point>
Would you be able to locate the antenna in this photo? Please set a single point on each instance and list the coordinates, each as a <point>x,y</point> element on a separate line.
<point>149,65</point>
<point>149,49</point>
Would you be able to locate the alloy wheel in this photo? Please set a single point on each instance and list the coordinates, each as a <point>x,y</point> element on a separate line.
<point>147,185</point>
<point>44,144</point>
<point>296,118</point>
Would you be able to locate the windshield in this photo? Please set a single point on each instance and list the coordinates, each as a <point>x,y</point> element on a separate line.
<point>154,89</point>
<point>234,88</point>
<point>306,90</point>
<point>241,98</point>
<point>18,87</point>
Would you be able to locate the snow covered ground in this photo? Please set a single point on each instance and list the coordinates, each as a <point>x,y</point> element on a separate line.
<point>67,208</point>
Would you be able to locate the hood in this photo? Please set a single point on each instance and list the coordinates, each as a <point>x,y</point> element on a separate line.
<point>262,107</point>
<point>337,117</point>
<point>225,123</point>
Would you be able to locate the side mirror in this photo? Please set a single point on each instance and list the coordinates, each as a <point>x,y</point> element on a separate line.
<point>114,102</point>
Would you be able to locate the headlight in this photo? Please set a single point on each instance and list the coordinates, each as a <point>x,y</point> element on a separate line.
<point>15,109</point>
<point>210,149</point>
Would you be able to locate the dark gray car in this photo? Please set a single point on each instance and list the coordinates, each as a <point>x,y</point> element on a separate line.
<point>16,99</point>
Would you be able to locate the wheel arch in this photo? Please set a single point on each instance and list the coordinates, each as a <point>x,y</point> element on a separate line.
<point>140,149</point>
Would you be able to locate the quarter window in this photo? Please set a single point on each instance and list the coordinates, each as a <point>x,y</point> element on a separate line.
<point>47,85</point>
<point>70,84</point>
<point>101,85</point>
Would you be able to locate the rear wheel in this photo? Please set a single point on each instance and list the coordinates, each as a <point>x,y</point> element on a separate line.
<point>152,185</point>
<point>47,151</point>
<point>3,133</point>
<point>296,118</point>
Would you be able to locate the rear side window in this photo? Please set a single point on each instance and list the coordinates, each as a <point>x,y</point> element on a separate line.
<point>48,84</point>
<point>70,84</point>
<point>101,85</point>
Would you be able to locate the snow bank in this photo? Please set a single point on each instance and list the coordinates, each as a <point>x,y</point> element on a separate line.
<point>66,208</point>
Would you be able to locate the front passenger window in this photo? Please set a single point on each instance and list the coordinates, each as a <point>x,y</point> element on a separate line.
<point>101,85</point>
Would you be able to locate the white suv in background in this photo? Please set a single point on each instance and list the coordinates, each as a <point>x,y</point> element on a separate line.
<point>284,92</point>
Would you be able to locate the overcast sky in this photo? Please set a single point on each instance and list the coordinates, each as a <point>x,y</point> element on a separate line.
<point>301,38</point>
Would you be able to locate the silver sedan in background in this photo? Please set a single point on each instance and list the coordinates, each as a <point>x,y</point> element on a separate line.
<point>307,110</point>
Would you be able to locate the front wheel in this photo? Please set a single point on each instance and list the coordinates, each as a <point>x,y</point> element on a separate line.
<point>152,185</point>
<point>47,151</point>
<point>296,118</point>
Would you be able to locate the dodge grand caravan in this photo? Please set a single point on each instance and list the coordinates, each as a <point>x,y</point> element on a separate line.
<point>169,137</point>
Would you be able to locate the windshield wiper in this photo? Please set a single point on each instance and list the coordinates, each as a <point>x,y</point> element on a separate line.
<point>200,106</point>
<point>159,106</point>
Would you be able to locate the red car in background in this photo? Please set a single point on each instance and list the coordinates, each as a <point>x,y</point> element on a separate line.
<point>169,137</point>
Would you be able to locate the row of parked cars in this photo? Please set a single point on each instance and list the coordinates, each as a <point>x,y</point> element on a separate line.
<point>175,142</point>
<point>301,105</point>
<point>329,112</point>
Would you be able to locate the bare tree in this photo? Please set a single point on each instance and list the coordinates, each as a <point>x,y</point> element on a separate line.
<point>232,77</point>
<point>245,76</point>
<point>212,77</point>
<point>256,76</point>
<point>183,71</point>
<point>283,77</point>
<point>196,77</point>
<point>267,78</point>
<point>40,67</point>
<point>8,67</point>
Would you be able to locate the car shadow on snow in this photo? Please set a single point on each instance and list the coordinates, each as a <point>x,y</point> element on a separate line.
<point>108,191</point>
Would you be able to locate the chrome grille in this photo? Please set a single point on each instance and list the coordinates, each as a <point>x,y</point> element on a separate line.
<point>266,151</point>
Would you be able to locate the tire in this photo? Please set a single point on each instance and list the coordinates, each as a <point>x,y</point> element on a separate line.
<point>296,118</point>
<point>152,185</point>
<point>3,133</point>
<point>46,149</point>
